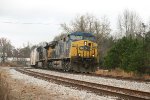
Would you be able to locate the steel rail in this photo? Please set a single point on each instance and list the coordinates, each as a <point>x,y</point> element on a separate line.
<point>100,75</point>
<point>93,87</point>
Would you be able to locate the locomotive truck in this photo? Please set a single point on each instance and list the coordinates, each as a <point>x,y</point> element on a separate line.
<point>74,52</point>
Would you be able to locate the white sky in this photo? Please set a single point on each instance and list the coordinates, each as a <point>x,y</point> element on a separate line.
<point>34,21</point>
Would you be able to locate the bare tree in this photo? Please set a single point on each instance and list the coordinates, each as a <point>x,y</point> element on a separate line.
<point>5,48</point>
<point>148,26</point>
<point>88,23</point>
<point>82,23</point>
<point>25,52</point>
<point>102,31</point>
<point>59,37</point>
<point>129,23</point>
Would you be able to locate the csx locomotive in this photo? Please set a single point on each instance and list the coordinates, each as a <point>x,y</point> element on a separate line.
<point>74,52</point>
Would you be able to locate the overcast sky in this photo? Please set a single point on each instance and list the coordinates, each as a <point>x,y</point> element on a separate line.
<point>34,21</point>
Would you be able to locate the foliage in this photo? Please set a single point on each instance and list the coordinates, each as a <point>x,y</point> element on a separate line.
<point>7,50</point>
<point>25,52</point>
<point>5,47</point>
<point>128,53</point>
<point>147,48</point>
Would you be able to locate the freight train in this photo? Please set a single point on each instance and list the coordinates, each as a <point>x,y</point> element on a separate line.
<point>73,52</point>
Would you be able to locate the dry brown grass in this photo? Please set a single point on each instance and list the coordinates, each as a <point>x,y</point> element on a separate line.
<point>7,92</point>
<point>16,89</point>
<point>10,64</point>
<point>146,77</point>
<point>121,73</point>
<point>4,87</point>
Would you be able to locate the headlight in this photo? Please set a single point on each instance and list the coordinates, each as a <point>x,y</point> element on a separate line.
<point>93,55</point>
<point>85,42</point>
<point>79,54</point>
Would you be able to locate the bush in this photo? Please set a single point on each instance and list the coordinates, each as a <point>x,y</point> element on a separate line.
<point>128,54</point>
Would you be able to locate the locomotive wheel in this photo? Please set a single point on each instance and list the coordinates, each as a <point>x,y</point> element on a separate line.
<point>44,64</point>
<point>50,65</point>
<point>36,65</point>
<point>66,65</point>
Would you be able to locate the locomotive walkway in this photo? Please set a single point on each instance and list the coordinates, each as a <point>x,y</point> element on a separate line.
<point>92,87</point>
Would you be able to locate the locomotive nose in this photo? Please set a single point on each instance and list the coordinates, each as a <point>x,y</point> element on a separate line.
<point>86,49</point>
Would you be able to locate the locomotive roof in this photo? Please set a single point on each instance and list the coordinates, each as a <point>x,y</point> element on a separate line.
<point>52,43</point>
<point>82,34</point>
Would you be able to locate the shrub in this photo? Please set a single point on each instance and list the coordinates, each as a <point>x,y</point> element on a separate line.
<point>128,54</point>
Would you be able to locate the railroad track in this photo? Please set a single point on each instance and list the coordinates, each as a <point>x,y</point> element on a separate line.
<point>100,75</point>
<point>99,89</point>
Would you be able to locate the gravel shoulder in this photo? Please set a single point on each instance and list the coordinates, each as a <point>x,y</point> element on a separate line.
<point>141,86</point>
<point>24,87</point>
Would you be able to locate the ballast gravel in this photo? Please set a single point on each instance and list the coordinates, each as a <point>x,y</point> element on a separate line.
<point>141,86</point>
<point>65,93</point>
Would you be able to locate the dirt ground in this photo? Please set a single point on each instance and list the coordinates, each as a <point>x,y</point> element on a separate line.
<point>13,89</point>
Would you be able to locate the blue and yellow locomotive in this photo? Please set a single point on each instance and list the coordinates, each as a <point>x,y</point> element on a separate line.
<point>76,51</point>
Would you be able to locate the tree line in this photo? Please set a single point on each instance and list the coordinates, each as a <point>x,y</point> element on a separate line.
<point>7,50</point>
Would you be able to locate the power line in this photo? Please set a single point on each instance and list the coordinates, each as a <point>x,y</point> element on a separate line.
<point>40,23</point>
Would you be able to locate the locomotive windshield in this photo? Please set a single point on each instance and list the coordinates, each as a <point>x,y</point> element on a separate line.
<point>76,37</point>
<point>79,37</point>
<point>82,36</point>
<point>91,38</point>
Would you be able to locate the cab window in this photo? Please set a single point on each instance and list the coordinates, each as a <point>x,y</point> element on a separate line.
<point>76,37</point>
<point>91,38</point>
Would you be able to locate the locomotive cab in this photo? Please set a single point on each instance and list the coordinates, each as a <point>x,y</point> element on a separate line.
<point>83,52</point>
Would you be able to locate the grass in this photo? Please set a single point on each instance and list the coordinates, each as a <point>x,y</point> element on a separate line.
<point>10,64</point>
<point>120,73</point>
<point>4,88</point>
